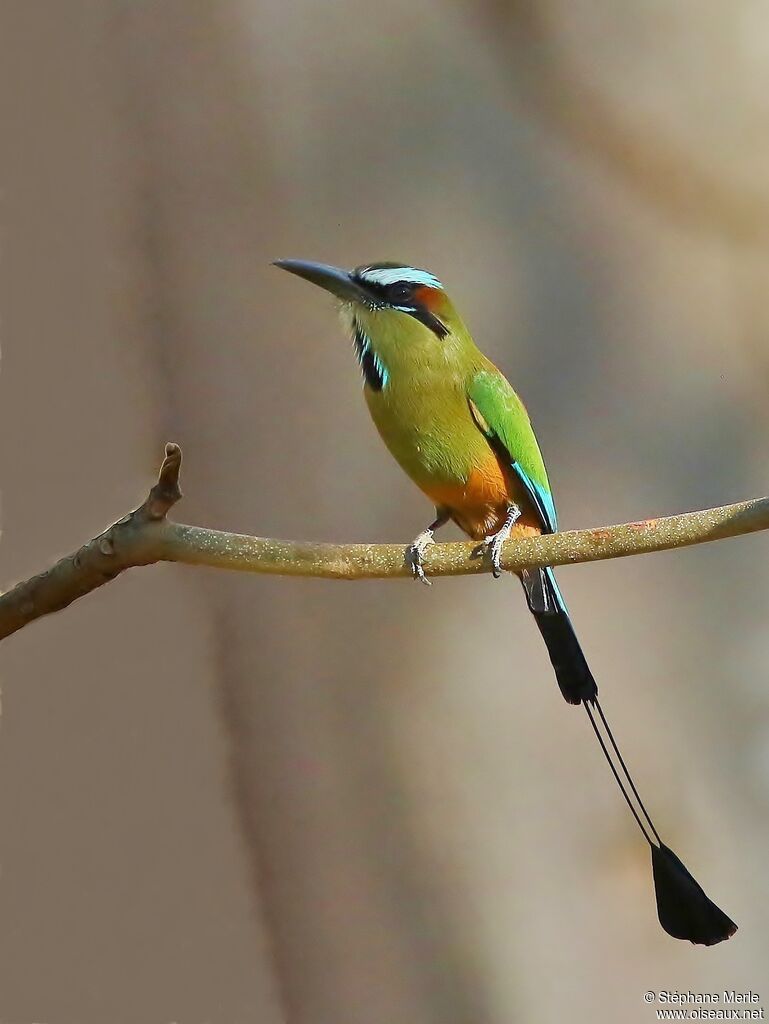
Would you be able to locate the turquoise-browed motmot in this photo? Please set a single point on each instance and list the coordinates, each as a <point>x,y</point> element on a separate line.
<point>457,428</point>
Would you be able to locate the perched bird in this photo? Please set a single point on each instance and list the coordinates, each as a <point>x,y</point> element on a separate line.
<point>457,428</point>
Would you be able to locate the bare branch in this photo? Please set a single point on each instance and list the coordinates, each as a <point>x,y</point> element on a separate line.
<point>166,492</point>
<point>130,541</point>
<point>146,536</point>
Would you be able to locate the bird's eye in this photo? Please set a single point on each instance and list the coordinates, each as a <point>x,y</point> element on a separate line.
<point>400,293</point>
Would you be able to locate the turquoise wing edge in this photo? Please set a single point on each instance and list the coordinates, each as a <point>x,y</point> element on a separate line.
<point>507,424</point>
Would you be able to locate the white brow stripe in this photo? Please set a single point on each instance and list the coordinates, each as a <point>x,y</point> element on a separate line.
<point>391,275</point>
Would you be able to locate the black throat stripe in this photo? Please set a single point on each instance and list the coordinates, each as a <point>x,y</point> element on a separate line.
<point>373,371</point>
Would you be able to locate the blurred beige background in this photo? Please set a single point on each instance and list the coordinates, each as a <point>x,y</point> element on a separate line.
<point>232,799</point>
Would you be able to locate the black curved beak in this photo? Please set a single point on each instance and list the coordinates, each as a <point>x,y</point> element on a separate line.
<point>332,279</point>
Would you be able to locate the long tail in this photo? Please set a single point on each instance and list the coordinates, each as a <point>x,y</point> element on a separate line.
<point>684,910</point>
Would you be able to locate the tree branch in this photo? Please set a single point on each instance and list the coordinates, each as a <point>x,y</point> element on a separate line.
<point>146,535</point>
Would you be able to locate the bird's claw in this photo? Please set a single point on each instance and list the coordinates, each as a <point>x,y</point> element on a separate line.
<point>415,553</point>
<point>495,541</point>
<point>493,545</point>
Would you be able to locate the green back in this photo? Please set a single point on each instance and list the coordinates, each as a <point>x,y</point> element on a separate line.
<point>508,424</point>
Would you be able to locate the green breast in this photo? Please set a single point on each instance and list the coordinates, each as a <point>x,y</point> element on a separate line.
<point>427,426</point>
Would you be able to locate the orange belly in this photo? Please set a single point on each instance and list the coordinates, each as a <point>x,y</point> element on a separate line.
<point>480,505</point>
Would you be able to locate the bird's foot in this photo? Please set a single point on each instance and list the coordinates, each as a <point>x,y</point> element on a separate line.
<point>495,541</point>
<point>415,553</point>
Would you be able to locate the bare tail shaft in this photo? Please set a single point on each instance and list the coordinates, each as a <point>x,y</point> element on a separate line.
<point>683,908</point>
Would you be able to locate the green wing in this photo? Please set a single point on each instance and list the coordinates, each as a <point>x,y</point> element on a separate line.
<point>502,416</point>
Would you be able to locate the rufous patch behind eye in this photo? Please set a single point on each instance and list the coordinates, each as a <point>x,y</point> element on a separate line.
<point>430,298</point>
